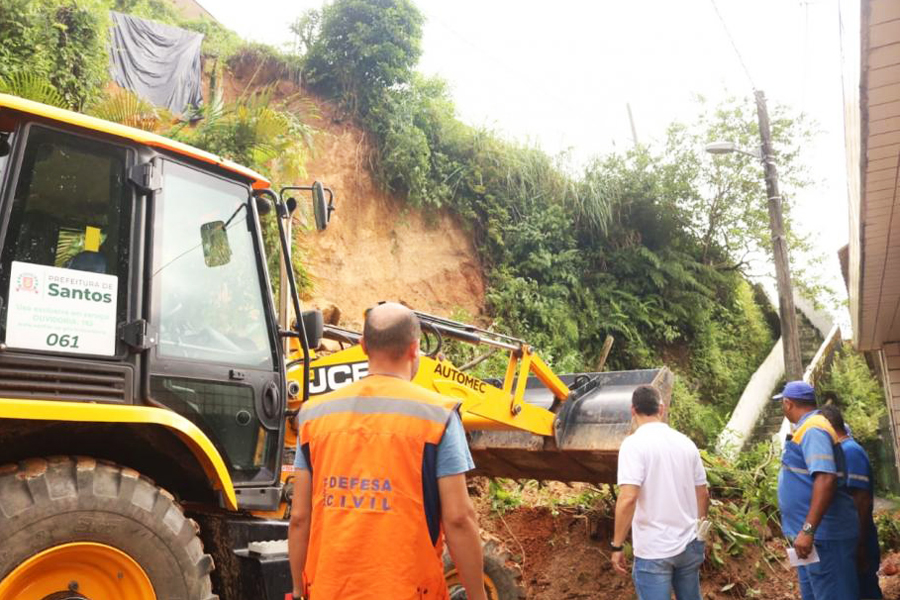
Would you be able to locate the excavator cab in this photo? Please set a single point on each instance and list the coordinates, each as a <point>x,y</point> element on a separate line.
<point>140,350</point>
<point>134,275</point>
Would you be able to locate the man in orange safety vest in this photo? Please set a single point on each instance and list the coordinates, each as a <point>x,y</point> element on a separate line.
<point>380,479</point>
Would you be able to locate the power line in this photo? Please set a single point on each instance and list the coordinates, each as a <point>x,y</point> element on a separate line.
<point>733,44</point>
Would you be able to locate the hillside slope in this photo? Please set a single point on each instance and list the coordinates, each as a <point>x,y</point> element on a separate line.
<point>376,247</point>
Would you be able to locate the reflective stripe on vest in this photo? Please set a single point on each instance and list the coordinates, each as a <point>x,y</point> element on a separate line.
<point>375,530</point>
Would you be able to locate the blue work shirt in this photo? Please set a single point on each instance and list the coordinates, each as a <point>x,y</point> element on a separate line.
<point>813,449</point>
<point>859,476</point>
<point>453,455</point>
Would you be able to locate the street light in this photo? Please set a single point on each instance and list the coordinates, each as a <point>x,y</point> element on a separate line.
<point>729,147</point>
<point>793,364</point>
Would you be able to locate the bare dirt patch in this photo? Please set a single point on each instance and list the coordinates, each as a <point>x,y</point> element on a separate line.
<point>564,556</point>
<point>376,247</point>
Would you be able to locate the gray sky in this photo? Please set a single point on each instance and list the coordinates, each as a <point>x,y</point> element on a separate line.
<point>560,74</point>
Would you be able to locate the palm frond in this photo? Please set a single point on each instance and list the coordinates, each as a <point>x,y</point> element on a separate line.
<point>33,87</point>
<point>125,107</point>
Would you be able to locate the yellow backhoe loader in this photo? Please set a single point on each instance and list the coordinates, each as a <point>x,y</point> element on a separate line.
<point>148,382</point>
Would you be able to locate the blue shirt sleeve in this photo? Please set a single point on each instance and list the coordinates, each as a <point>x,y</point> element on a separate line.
<point>453,456</point>
<point>818,451</point>
<point>300,459</point>
<point>859,471</point>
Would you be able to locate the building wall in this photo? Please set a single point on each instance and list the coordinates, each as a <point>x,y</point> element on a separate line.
<point>888,362</point>
<point>192,9</point>
<point>850,12</point>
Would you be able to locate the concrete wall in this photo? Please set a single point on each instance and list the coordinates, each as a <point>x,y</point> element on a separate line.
<point>754,401</point>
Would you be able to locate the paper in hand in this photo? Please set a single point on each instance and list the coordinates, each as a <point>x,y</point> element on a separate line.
<point>796,561</point>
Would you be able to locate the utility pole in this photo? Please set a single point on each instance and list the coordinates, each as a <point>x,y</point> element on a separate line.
<point>633,128</point>
<point>793,364</point>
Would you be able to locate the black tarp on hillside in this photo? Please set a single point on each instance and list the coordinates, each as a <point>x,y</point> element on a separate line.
<point>159,63</point>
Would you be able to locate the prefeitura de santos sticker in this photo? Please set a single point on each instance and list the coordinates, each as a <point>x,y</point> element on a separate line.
<point>61,310</point>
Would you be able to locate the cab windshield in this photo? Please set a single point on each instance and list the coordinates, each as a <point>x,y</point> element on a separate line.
<point>206,273</point>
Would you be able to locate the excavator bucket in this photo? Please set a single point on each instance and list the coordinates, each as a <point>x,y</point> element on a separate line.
<point>588,429</point>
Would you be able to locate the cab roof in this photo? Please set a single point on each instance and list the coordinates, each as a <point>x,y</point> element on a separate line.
<point>129,133</point>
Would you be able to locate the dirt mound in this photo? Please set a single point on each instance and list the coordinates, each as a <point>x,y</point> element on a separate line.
<point>376,247</point>
<point>565,556</point>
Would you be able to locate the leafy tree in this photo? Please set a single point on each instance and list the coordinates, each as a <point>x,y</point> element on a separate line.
<point>723,198</point>
<point>306,29</point>
<point>363,48</point>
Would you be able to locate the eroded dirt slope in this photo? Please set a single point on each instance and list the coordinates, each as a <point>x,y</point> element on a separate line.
<point>378,249</point>
<point>375,248</point>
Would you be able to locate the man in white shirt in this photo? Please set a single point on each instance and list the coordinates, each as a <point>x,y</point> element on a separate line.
<point>662,499</point>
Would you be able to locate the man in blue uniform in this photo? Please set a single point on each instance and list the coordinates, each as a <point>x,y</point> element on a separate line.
<point>861,486</point>
<point>815,511</point>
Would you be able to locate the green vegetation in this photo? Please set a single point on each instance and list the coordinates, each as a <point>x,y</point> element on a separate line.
<point>64,44</point>
<point>363,47</point>
<point>60,41</point>
<point>745,506</point>
<point>861,399</point>
<point>859,394</point>
<point>888,525</point>
<point>55,51</point>
<point>504,495</point>
<point>619,248</point>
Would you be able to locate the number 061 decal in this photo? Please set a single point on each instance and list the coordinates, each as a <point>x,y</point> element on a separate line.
<point>61,310</point>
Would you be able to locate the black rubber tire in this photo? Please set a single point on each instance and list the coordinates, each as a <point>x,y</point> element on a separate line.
<point>503,571</point>
<point>45,502</point>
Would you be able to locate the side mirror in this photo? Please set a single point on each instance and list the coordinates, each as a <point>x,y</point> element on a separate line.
<point>322,206</point>
<point>321,210</point>
<point>216,250</point>
<point>314,323</point>
<point>263,205</point>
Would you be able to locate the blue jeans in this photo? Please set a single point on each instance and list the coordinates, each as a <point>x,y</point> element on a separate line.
<point>655,578</point>
<point>834,576</point>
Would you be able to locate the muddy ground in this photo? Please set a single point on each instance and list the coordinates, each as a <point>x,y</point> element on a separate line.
<point>563,555</point>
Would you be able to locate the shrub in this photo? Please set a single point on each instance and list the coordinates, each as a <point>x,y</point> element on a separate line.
<point>62,41</point>
<point>859,393</point>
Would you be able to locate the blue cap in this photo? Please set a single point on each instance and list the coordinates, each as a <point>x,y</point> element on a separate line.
<point>797,390</point>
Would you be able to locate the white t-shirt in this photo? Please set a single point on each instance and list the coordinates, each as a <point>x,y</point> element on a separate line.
<point>667,466</point>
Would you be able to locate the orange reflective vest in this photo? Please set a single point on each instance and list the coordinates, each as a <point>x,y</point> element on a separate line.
<point>376,521</point>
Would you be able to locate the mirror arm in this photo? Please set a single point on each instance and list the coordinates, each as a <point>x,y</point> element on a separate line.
<point>294,188</point>
<point>292,283</point>
<point>331,208</point>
